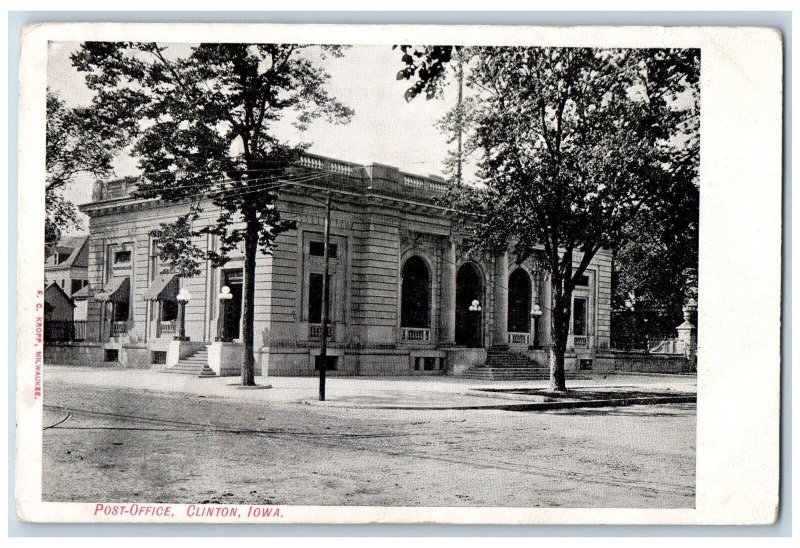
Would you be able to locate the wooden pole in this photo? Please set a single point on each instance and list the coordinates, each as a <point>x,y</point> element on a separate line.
<point>460,118</point>
<point>323,354</point>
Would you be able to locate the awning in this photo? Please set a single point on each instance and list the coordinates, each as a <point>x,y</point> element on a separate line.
<point>117,290</point>
<point>163,288</point>
<point>82,293</point>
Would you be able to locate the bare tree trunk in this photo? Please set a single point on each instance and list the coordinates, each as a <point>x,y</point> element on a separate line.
<point>248,304</point>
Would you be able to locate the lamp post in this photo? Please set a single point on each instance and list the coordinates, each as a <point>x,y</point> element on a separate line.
<point>536,313</point>
<point>183,297</point>
<point>224,296</point>
<point>475,306</point>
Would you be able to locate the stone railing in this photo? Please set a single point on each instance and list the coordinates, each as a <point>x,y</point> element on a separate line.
<point>349,176</point>
<point>113,190</point>
<point>415,334</point>
<point>312,161</point>
<point>415,183</point>
<point>580,341</point>
<point>427,186</point>
<point>119,328</point>
<point>519,338</point>
<point>167,327</point>
<point>315,331</point>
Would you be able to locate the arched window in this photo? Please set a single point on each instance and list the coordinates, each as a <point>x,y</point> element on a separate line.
<point>519,302</point>
<point>415,300</point>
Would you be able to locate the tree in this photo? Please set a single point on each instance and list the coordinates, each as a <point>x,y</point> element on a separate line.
<point>575,144</point>
<point>203,136</point>
<point>655,269</point>
<point>75,145</point>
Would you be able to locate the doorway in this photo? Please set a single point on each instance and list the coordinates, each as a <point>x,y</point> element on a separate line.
<point>469,317</point>
<point>233,278</point>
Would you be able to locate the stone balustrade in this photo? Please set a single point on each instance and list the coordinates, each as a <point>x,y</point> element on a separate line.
<point>375,178</point>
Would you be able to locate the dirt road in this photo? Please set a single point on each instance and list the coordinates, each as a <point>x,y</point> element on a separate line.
<point>127,445</point>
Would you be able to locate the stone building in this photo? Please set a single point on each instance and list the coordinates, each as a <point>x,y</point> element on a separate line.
<point>407,297</point>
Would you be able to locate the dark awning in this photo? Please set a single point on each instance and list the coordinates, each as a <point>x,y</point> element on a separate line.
<point>82,294</point>
<point>117,290</point>
<point>163,288</point>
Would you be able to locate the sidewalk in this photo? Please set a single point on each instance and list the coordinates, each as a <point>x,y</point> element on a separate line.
<point>429,393</point>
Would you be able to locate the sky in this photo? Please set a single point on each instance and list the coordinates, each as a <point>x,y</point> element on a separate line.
<point>385,128</point>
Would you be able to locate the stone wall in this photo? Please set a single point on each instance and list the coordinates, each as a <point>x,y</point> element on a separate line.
<point>85,354</point>
<point>639,362</point>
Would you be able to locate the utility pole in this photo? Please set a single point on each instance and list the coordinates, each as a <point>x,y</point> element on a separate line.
<point>323,354</point>
<point>460,116</point>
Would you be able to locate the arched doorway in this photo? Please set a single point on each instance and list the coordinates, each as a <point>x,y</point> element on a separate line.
<point>415,297</point>
<point>519,302</point>
<point>469,321</point>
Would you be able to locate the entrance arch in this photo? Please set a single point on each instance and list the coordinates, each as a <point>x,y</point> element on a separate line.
<point>415,297</point>
<point>519,302</point>
<point>469,323</point>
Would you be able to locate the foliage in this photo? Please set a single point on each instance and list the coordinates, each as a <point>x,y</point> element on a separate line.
<point>75,145</point>
<point>201,128</point>
<point>575,145</point>
<point>176,250</point>
<point>428,64</point>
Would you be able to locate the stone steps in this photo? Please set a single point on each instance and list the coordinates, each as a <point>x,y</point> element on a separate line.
<point>505,358</point>
<point>505,365</point>
<point>510,374</point>
<point>195,364</point>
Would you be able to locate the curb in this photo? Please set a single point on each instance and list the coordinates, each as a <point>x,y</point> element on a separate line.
<point>532,406</point>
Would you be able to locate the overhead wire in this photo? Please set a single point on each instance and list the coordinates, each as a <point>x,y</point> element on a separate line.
<point>266,184</point>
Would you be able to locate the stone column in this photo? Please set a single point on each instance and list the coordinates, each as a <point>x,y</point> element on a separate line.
<point>448,310</point>
<point>501,300</point>
<point>687,331</point>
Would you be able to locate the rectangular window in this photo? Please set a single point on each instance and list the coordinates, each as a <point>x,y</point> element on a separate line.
<point>316,249</point>
<point>315,298</point>
<point>76,285</point>
<point>122,258</point>
<point>583,281</point>
<point>153,260</point>
<point>580,309</point>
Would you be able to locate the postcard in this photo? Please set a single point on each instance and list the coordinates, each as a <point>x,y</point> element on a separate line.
<point>399,274</point>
